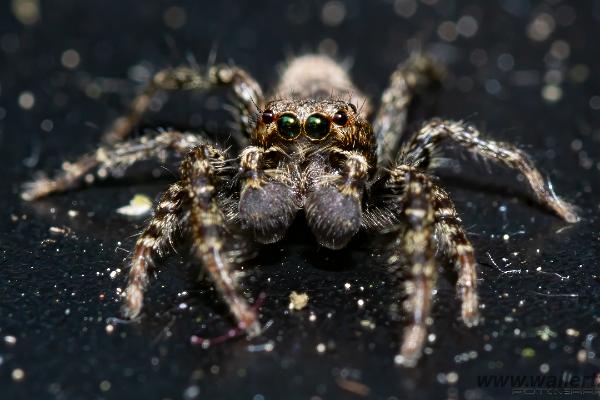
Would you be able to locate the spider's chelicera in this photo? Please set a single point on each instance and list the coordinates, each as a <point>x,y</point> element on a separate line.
<point>309,148</point>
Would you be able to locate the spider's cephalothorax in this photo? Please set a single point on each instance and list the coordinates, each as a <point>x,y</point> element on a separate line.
<point>310,148</point>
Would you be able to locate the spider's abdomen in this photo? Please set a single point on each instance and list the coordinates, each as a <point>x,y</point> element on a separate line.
<point>319,77</point>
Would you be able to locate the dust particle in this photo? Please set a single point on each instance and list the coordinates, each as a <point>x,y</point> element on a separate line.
<point>139,205</point>
<point>298,301</point>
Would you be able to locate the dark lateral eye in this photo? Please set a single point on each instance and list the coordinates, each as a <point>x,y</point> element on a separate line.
<point>268,116</point>
<point>316,126</point>
<point>340,118</point>
<point>288,126</point>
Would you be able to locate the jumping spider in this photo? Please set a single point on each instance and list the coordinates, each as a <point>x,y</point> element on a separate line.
<point>307,148</point>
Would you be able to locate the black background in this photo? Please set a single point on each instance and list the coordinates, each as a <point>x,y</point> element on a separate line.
<point>56,295</point>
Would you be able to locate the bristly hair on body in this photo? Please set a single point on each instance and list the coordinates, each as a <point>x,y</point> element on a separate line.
<point>314,145</point>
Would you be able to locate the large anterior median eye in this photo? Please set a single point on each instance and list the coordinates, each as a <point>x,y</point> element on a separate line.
<point>288,126</point>
<point>316,126</point>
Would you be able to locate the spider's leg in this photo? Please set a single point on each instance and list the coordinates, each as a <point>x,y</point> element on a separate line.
<point>247,91</point>
<point>200,178</point>
<point>417,249</point>
<point>409,78</point>
<point>419,151</point>
<point>154,241</point>
<point>112,161</point>
<point>458,248</point>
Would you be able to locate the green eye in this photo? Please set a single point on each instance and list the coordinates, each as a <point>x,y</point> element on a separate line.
<point>316,126</point>
<point>288,126</point>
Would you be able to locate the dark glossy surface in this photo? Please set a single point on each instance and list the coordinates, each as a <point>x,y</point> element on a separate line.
<point>56,290</point>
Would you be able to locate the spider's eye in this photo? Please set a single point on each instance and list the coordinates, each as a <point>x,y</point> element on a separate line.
<point>316,126</point>
<point>268,116</point>
<point>340,118</point>
<point>288,126</point>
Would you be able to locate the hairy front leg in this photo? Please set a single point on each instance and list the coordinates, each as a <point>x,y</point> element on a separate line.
<point>200,178</point>
<point>247,92</point>
<point>419,72</point>
<point>155,240</point>
<point>112,162</point>
<point>416,249</point>
<point>458,248</point>
<point>420,150</point>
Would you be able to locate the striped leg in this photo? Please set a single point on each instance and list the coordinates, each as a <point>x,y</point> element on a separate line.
<point>419,150</point>
<point>411,77</point>
<point>112,161</point>
<point>247,93</point>
<point>418,247</point>
<point>154,241</point>
<point>199,176</point>
<point>458,248</point>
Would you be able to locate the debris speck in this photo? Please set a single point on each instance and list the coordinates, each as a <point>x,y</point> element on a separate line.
<point>18,374</point>
<point>551,93</point>
<point>541,27</point>
<point>582,356</point>
<point>528,352</point>
<point>140,205</point>
<point>10,340</point>
<point>467,26</point>
<point>405,8</point>
<point>70,59</point>
<point>352,386</point>
<point>298,301</point>
<point>26,100</point>
<point>59,230</point>
<point>259,348</point>
<point>452,377</point>
<point>333,13</point>
<point>572,332</point>
<point>545,333</point>
<point>26,11</point>
<point>175,17</point>
<point>72,213</point>
<point>360,302</point>
<point>367,323</point>
<point>105,386</point>
<point>321,348</point>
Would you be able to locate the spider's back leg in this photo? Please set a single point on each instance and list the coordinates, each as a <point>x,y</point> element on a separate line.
<point>112,161</point>
<point>419,150</point>
<point>247,92</point>
<point>411,77</point>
